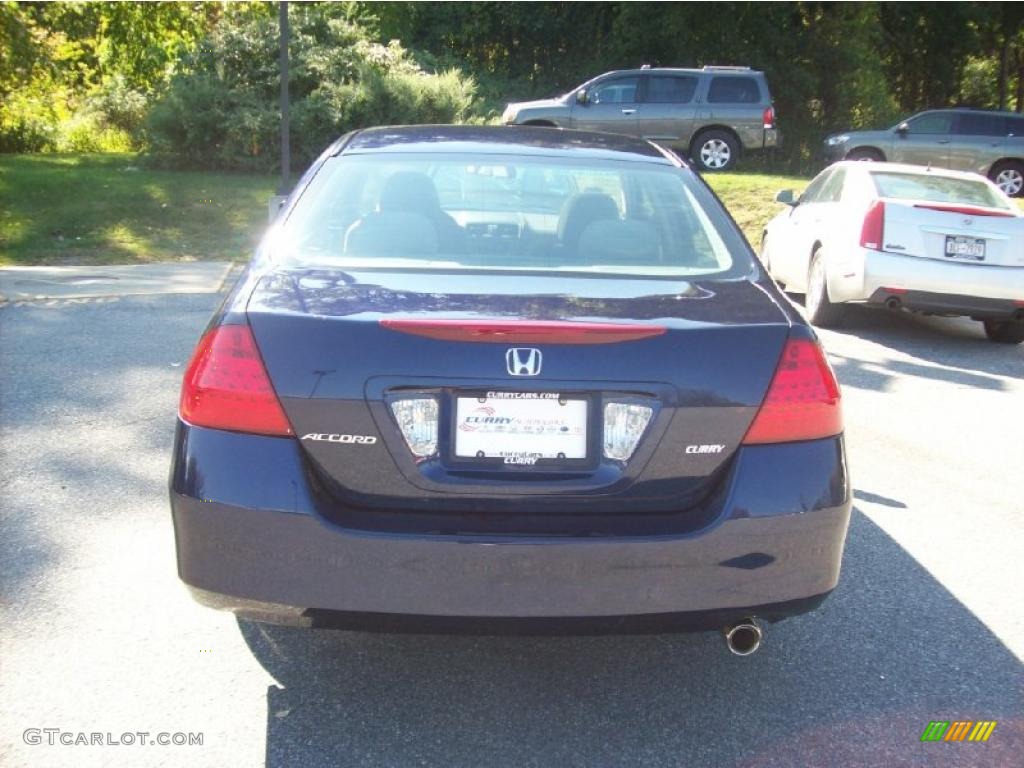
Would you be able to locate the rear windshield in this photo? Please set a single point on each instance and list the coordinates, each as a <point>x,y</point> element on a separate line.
<point>935,189</point>
<point>509,212</point>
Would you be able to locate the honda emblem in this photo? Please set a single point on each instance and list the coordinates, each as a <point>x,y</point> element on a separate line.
<point>523,361</point>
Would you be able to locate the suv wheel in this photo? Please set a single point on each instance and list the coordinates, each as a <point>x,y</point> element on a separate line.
<point>715,151</point>
<point>1004,331</point>
<point>820,310</point>
<point>1009,177</point>
<point>866,154</point>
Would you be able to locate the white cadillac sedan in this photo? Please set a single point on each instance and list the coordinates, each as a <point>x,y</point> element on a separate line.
<point>901,237</point>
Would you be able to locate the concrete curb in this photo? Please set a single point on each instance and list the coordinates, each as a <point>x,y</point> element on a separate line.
<point>19,284</point>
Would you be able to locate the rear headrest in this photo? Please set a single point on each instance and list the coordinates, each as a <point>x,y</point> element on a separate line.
<point>410,192</point>
<point>581,210</point>
<point>392,233</point>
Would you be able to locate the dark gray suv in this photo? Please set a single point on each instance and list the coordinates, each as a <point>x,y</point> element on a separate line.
<point>714,114</point>
<point>983,141</point>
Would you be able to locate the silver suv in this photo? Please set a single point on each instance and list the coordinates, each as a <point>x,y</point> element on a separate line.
<point>986,142</point>
<point>714,114</point>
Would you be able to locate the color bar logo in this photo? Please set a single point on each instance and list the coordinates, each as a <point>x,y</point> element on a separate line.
<point>958,730</point>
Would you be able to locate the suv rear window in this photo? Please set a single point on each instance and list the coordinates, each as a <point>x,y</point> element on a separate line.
<point>935,189</point>
<point>452,211</point>
<point>670,89</point>
<point>733,90</point>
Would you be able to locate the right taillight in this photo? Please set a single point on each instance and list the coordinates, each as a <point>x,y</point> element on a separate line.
<point>802,401</point>
<point>872,231</point>
<point>768,117</point>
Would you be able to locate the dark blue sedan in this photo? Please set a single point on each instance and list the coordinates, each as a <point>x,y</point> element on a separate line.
<point>508,379</point>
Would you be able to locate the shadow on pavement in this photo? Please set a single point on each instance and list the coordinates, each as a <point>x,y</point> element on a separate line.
<point>875,498</point>
<point>854,683</point>
<point>863,374</point>
<point>957,343</point>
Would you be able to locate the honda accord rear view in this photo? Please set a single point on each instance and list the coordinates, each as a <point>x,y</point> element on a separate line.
<point>508,379</point>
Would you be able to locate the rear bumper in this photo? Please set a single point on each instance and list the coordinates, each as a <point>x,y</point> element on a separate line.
<point>254,542</point>
<point>943,287</point>
<point>398,623</point>
<point>754,138</point>
<point>949,304</point>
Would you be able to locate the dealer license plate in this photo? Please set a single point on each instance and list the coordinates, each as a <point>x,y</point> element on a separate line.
<point>521,427</point>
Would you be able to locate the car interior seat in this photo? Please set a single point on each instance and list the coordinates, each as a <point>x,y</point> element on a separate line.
<point>392,233</point>
<point>616,241</point>
<point>412,192</point>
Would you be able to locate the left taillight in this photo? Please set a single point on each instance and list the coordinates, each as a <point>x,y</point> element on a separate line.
<point>872,230</point>
<point>226,386</point>
<point>768,117</point>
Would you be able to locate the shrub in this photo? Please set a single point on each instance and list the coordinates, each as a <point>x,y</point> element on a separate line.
<point>86,131</point>
<point>224,114</point>
<point>28,122</point>
<point>118,105</point>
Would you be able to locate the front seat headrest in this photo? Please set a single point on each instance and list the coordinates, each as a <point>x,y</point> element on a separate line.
<point>582,210</point>
<point>410,192</point>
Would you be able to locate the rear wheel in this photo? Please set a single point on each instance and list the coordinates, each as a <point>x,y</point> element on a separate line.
<point>1004,331</point>
<point>820,310</point>
<point>1009,177</point>
<point>867,154</point>
<point>716,151</point>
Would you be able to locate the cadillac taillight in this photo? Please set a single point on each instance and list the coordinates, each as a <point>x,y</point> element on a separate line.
<point>872,231</point>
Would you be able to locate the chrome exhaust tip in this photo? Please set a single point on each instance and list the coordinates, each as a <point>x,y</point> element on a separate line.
<point>744,637</point>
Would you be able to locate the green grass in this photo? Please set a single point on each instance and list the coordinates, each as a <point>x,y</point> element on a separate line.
<point>107,209</point>
<point>750,198</point>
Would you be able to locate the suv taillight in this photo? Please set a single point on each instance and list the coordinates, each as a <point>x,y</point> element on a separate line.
<point>872,231</point>
<point>226,386</point>
<point>768,117</point>
<point>802,401</point>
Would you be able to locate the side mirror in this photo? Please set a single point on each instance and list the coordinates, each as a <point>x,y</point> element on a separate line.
<point>274,206</point>
<point>903,128</point>
<point>787,197</point>
<point>581,96</point>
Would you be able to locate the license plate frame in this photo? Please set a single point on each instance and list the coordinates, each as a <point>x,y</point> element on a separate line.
<point>965,248</point>
<point>516,403</point>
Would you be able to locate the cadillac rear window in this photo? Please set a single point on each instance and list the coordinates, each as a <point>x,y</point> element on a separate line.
<point>507,212</point>
<point>935,189</point>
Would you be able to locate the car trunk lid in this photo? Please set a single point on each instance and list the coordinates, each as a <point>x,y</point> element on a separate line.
<point>951,232</point>
<point>340,346</point>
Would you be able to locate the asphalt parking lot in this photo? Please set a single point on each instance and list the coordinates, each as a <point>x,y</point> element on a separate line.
<point>98,635</point>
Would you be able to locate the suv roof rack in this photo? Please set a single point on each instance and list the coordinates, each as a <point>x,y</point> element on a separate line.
<point>732,68</point>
